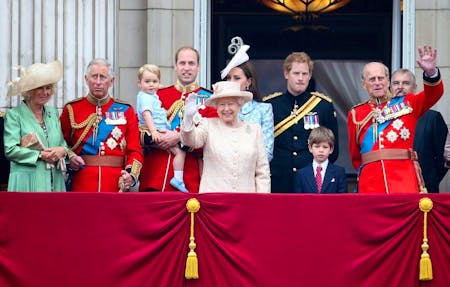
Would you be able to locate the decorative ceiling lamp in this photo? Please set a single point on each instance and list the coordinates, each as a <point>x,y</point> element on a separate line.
<point>304,10</point>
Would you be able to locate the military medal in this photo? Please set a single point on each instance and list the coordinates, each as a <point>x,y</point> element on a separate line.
<point>392,112</point>
<point>311,121</point>
<point>316,120</point>
<point>115,118</point>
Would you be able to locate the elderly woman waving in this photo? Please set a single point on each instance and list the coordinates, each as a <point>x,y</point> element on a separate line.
<point>33,139</point>
<point>233,150</point>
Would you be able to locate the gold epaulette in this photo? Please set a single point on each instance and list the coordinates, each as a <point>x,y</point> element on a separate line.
<point>322,96</point>
<point>272,96</point>
<point>357,105</point>
<point>75,100</point>
<point>122,102</point>
<point>2,114</point>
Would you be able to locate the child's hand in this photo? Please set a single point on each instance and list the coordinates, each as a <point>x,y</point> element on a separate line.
<point>156,136</point>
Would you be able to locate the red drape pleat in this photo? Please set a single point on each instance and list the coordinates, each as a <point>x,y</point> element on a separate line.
<point>141,239</point>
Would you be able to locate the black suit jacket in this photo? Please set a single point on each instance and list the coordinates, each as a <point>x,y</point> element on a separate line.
<point>429,142</point>
<point>334,181</point>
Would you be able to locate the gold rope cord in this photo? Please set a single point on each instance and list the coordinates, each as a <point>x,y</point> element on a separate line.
<point>191,271</point>
<point>360,124</point>
<point>426,268</point>
<point>174,108</point>
<point>87,124</point>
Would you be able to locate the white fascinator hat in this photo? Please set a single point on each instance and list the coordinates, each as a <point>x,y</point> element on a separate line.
<point>239,57</point>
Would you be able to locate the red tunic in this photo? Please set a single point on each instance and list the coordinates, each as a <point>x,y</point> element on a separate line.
<point>118,133</point>
<point>158,169</point>
<point>389,176</point>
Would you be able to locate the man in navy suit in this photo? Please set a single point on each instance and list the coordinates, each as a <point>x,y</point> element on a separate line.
<point>321,176</point>
<point>430,136</point>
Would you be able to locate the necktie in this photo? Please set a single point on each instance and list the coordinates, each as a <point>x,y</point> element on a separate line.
<point>319,178</point>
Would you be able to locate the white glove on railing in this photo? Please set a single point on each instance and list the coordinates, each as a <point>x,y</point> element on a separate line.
<point>190,108</point>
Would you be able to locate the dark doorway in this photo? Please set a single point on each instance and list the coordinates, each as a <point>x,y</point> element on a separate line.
<point>361,30</point>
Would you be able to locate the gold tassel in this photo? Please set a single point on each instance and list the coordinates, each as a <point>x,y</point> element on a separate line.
<point>191,272</point>
<point>426,269</point>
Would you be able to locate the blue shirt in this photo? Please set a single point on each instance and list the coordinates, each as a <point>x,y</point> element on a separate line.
<point>151,103</point>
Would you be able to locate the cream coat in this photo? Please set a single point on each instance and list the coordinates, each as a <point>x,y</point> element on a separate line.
<point>235,159</point>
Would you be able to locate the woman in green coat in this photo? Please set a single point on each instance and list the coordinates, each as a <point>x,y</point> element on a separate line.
<point>33,140</point>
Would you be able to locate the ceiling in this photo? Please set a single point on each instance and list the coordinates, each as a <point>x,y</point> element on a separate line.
<point>255,6</point>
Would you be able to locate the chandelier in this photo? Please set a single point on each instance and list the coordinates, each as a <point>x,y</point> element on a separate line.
<point>304,10</point>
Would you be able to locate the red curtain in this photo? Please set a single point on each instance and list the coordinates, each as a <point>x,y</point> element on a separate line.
<point>141,239</point>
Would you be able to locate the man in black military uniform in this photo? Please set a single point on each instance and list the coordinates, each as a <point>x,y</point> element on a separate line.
<point>4,163</point>
<point>296,113</point>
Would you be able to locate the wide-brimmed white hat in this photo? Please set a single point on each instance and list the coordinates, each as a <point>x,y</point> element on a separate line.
<point>35,76</point>
<point>238,58</point>
<point>226,89</point>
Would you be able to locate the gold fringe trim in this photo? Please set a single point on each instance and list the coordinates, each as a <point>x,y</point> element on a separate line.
<point>426,269</point>
<point>272,96</point>
<point>322,96</point>
<point>191,271</point>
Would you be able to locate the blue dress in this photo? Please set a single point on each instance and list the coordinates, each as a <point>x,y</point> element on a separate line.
<point>261,114</point>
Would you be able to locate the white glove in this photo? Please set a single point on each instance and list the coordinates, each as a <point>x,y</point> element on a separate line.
<point>190,109</point>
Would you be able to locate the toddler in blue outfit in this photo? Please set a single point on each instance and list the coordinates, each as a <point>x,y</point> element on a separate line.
<point>152,115</point>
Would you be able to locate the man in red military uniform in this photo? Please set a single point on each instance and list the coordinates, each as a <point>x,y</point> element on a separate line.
<point>157,170</point>
<point>381,130</point>
<point>103,135</point>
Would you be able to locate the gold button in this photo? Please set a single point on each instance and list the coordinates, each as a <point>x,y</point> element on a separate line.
<point>294,153</point>
<point>294,169</point>
<point>295,138</point>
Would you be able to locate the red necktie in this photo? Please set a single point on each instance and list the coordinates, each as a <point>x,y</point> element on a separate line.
<point>319,179</point>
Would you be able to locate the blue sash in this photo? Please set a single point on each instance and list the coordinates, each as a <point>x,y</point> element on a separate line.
<point>368,139</point>
<point>91,147</point>
<point>176,121</point>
